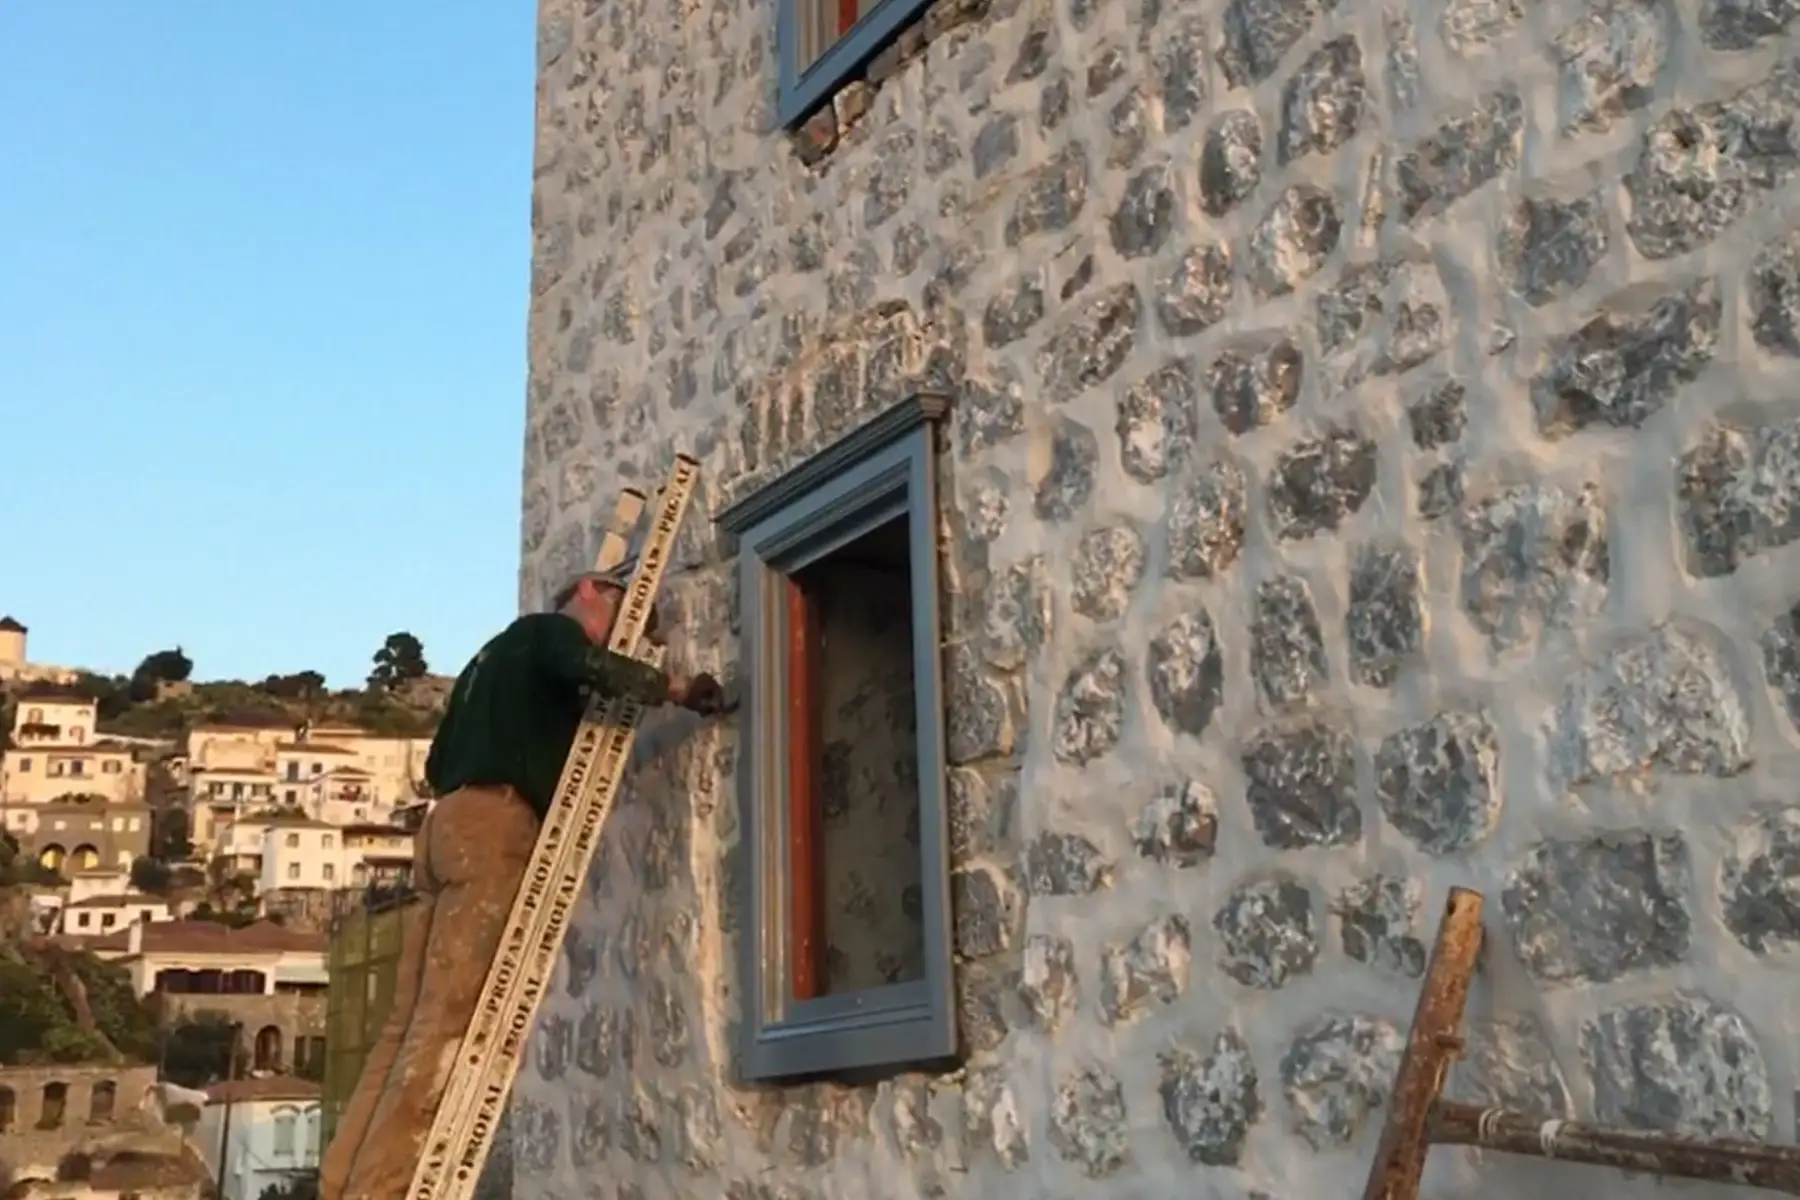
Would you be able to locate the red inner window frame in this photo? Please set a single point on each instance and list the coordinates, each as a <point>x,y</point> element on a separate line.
<point>806,913</point>
<point>846,15</point>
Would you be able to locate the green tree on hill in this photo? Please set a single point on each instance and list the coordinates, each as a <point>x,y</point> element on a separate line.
<point>302,685</point>
<point>401,658</point>
<point>197,1051</point>
<point>165,666</point>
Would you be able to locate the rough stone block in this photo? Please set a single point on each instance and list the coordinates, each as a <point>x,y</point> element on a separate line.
<point>1535,557</point>
<point>1253,383</point>
<point>1703,168</point>
<point>1179,826</point>
<point>1149,970</point>
<point>1337,1071</point>
<point>1684,1065</point>
<point>1186,673</point>
<point>1156,423</point>
<point>1319,481</point>
<point>1108,564</point>
<point>1739,495</point>
<point>1385,621</point>
<point>1287,647</point>
<point>1090,708</point>
<point>1088,1125</point>
<point>1627,364</point>
<point>1438,782</point>
<point>1268,933</point>
<point>1760,883</point>
<point>1662,700</point>
<point>1376,922</point>
<point>1211,1101</point>
<point>1206,521</point>
<point>1594,909</point>
<point>1301,786</point>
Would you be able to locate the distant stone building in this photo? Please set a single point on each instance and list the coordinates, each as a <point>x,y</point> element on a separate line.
<point>45,1112</point>
<point>1185,484</point>
<point>16,666</point>
<point>270,980</point>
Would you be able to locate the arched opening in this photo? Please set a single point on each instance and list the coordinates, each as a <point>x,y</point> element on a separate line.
<point>101,1102</point>
<point>52,856</point>
<point>56,1102</point>
<point>85,858</point>
<point>9,1109</point>
<point>285,1141</point>
<point>268,1048</point>
<point>309,1057</point>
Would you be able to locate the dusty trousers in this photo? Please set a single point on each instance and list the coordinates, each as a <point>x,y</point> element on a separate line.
<point>468,860</point>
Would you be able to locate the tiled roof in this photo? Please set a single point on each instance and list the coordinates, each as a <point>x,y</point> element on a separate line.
<point>271,1087</point>
<point>115,901</point>
<point>210,937</point>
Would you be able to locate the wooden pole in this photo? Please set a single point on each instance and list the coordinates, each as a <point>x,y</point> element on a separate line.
<point>1720,1160</point>
<point>1436,1039</point>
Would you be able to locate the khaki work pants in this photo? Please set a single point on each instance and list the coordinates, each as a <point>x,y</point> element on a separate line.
<point>470,855</point>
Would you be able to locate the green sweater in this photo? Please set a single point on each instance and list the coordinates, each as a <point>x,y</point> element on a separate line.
<point>516,707</point>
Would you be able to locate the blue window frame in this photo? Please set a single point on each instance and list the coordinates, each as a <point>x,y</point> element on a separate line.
<point>824,43</point>
<point>881,477</point>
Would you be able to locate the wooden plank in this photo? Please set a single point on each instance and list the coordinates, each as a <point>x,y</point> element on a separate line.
<point>1720,1160</point>
<point>806,941</point>
<point>1436,1039</point>
<point>615,541</point>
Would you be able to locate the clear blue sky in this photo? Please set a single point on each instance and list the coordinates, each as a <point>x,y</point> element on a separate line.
<point>263,283</point>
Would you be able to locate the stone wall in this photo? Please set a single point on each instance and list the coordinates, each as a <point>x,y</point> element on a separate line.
<point>297,1015</point>
<point>33,1140</point>
<point>1375,467</point>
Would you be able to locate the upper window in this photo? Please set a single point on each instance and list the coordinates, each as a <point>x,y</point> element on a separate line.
<point>847,962</point>
<point>284,1135</point>
<point>824,43</point>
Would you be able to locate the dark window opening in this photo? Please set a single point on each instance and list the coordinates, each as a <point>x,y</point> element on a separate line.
<point>101,1102</point>
<point>56,1101</point>
<point>854,769</point>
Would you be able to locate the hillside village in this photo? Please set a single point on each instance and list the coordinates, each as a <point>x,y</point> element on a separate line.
<point>171,855</point>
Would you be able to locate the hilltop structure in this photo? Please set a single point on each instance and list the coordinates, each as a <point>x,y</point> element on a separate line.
<point>15,660</point>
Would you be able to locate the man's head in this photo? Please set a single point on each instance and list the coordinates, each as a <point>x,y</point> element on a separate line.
<point>594,598</point>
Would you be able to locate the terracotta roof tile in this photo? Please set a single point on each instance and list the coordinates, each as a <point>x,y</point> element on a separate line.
<point>210,937</point>
<point>269,1087</point>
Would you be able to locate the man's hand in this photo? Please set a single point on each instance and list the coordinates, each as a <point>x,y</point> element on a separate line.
<point>699,693</point>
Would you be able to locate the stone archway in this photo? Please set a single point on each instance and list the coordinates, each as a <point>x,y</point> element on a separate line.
<point>268,1048</point>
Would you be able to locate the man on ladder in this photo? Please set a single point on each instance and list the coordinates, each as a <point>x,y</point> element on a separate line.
<point>495,763</point>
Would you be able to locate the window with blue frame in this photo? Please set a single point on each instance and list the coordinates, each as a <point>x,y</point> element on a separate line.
<point>846,954</point>
<point>824,44</point>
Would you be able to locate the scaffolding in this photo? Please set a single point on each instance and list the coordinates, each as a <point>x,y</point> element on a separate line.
<point>363,955</point>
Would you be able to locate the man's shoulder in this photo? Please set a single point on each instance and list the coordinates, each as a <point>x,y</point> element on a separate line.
<point>533,625</point>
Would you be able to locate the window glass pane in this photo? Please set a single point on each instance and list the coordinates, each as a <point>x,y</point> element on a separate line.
<point>865,769</point>
<point>810,39</point>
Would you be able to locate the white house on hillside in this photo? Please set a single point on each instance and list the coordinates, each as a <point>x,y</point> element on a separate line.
<point>266,1131</point>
